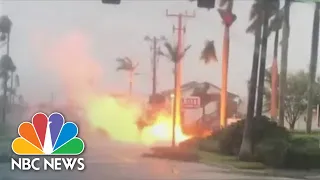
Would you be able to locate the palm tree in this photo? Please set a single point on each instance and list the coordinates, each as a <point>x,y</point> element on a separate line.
<point>313,64</point>
<point>255,28</point>
<point>6,66</point>
<point>174,55</point>
<point>268,8</point>
<point>284,60</point>
<point>126,64</point>
<point>257,18</point>
<point>5,30</point>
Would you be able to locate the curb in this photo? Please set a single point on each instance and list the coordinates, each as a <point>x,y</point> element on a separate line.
<point>312,175</point>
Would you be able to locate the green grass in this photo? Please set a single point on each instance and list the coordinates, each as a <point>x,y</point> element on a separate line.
<point>315,134</point>
<point>212,158</point>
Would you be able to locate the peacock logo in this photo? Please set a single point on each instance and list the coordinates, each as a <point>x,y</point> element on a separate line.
<point>48,136</point>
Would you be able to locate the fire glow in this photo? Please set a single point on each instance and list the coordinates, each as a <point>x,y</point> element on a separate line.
<point>83,84</point>
<point>118,118</point>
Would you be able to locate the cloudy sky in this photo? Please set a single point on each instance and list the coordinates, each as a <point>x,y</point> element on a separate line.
<point>81,37</point>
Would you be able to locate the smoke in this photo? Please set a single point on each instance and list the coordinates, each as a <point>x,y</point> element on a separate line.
<point>70,60</point>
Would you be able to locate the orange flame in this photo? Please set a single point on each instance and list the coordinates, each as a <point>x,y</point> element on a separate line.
<point>118,118</point>
<point>81,76</point>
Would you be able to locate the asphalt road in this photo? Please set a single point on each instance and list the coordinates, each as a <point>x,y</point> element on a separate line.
<point>109,160</point>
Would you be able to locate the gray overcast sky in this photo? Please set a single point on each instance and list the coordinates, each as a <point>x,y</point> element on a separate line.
<point>104,32</point>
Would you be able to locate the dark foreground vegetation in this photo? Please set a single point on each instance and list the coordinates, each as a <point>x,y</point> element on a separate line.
<point>274,147</point>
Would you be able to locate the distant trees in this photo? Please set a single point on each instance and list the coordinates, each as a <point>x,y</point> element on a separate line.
<point>7,69</point>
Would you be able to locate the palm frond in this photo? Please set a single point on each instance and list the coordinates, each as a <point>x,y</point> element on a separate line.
<point>129,61</point>
<point>257,9</point>
<point>254,11</point>
<point>124,64</point>
<point>184,52</point>
<point>208,53</point>
<point>5,24</point>
<point>276,21</point>
<point>120,68</point>
<point>6,64</point>
<point>172,52</point>
<point>252,28</point>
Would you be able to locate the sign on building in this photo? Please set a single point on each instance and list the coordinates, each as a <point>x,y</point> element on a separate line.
<point>191,102</point>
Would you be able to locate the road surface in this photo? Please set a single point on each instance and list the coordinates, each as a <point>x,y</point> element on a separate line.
<point>108,160</point>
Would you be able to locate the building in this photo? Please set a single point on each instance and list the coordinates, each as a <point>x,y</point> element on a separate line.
<point>210,102</point>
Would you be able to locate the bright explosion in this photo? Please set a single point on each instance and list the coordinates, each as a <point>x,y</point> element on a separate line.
<point>118,118</point>
<point>70,59</point>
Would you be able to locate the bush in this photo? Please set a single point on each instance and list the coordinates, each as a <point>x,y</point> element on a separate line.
<point>272,152</point>
<point>209,145</point>
<point>230,138</point>
<point>304,153</point>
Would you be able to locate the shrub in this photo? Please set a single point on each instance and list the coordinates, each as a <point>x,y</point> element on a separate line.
<point>230,138</point>
<point>304,153</point>
<point>272,152</point>
<point>209,145</point>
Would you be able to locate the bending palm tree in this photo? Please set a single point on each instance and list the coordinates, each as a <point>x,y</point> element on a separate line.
<point>126,64</point>
<point>175,56</point>
<point>259,9</point>
<point>268,8</point>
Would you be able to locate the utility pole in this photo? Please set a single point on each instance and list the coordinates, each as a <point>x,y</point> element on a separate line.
<point>154,62</point>
<point>178,70</point>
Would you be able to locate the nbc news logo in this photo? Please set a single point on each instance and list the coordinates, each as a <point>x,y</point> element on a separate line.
<point>48,137</point>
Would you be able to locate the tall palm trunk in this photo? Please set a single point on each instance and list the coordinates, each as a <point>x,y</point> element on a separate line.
<point>246,145</point>
<point>5,90</point>
<point>313,65</point>
<point>274,79</point>
<point>5,85</point>
<point>262,68</point>
<point>11,73</point>
<point>284,61</point>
